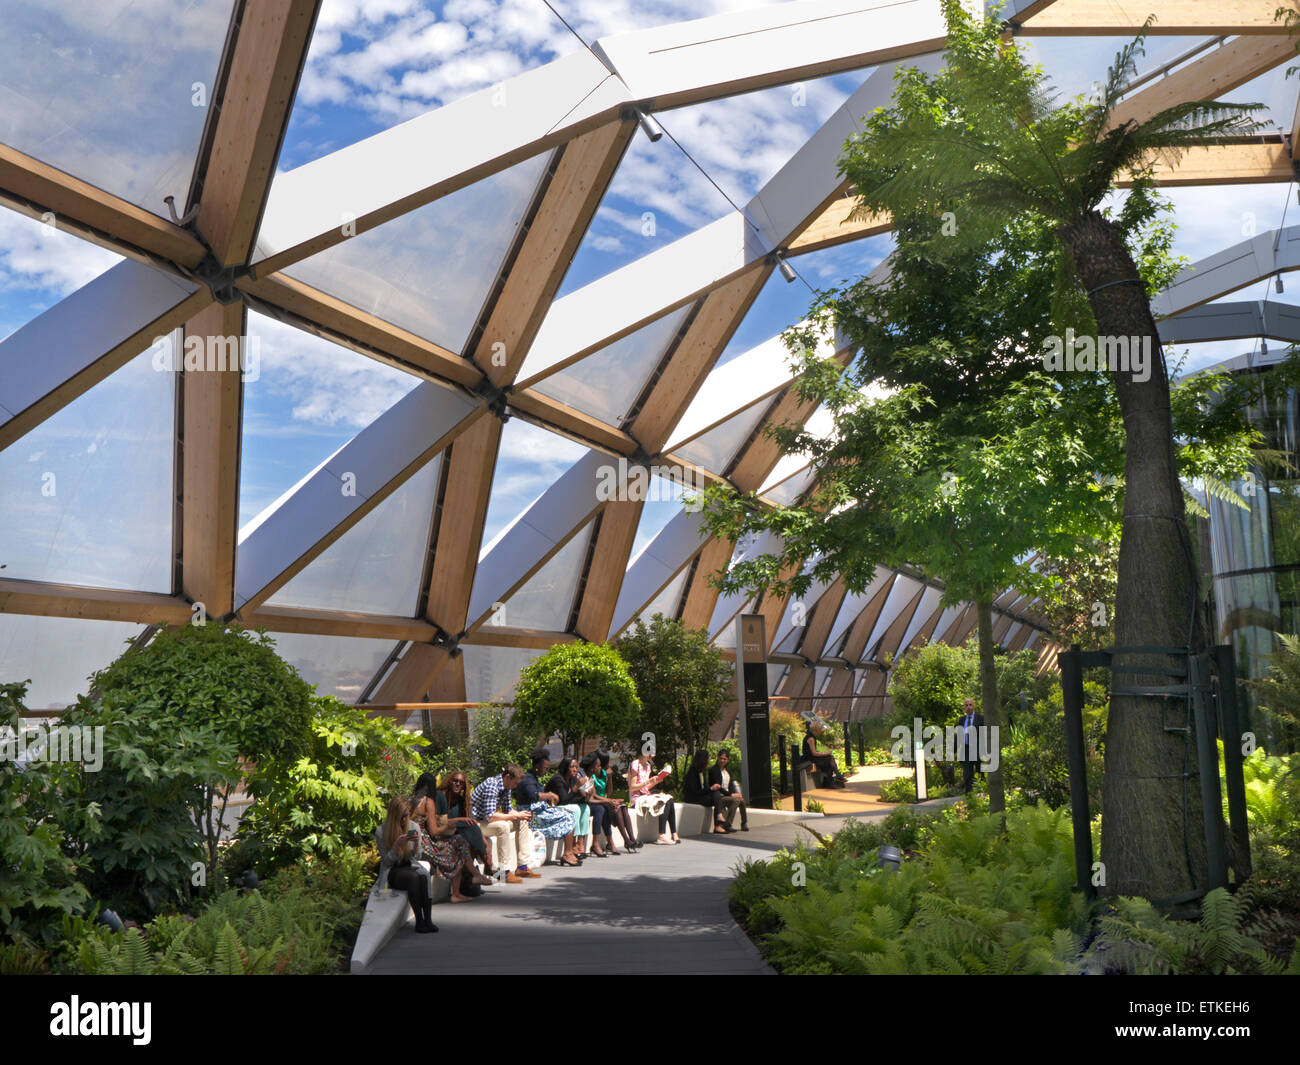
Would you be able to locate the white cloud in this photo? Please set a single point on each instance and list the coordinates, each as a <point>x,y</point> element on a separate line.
<point>321,383</point>
<point>37,256</point>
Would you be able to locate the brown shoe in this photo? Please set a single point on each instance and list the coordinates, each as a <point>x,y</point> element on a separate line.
<point>529,873</point>
<point>512,878</point>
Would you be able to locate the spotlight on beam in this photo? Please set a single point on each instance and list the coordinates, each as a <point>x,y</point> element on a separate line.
<point>649,126</point>
<point>1277,283</point>
<point>787,271</point>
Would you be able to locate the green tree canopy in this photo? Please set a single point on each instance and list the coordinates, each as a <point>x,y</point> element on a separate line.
<point>683,682</point>
<point>577,690</point>
<point>230,679</point>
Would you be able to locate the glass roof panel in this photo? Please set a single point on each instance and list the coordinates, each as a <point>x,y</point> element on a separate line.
<point>341,666</point>
<point>742,141</point>
<point>58,655</point>
<point>608,382</point>
<point>1074,63</point>
<point>375,567</point>
<point>1213,217</point>
<point>667,601</point>
<point>715,449</point>
<point>113,92</point>
<point>87,494</point>
<point>374,65</point>
<point>529,461</point>
<point>546,599</point>
<point>657,196</point>
<point>787,491</point>
<point>308,399</point>
<point>782,303</point>
<point>1275,91</point>
<point>39,265</point>
<point>491,673</point>
<point>663,502</point>
<point>430,271</point>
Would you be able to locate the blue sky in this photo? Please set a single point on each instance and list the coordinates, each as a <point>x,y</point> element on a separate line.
<point>373,64</point>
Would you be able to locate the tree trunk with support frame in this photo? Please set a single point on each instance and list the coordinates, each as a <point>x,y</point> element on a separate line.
<point>1151,841</point>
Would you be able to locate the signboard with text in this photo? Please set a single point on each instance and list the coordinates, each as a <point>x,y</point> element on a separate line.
<point>751,685</point>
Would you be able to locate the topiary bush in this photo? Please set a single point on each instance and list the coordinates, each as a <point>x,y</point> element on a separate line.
<point>577,690</point>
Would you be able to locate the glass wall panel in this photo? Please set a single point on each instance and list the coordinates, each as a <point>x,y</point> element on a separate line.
<point>87,494</point>
<point>375,567</point>
<point>58,655</point>
<point>341,666</point>
<point>429,271</point>
<point>114,92</point>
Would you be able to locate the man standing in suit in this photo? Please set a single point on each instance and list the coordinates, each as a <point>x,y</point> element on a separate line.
<point>969,731</point>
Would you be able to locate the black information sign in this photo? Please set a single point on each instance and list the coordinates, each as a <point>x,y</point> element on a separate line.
<point>751,683</point>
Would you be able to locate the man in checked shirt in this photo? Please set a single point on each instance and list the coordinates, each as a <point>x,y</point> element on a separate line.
<point>493,808</point>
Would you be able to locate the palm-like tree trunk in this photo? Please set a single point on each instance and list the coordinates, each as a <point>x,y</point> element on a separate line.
<point>989,697</point>
<point>1152,843</point>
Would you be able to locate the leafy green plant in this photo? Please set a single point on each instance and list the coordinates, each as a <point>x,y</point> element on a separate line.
<point>136,827</point>
<point>331,795</point>
<point>1135,938</point>
<point>446,751</point>
<point>1035,751</point>
<point>577,690</point>
<point>682,681</point>
<point>1279,689</point>
<point>291,927</point>
<point>973,900</point>
<point>497,740</point>
<point>39,879</point>
<point>22,957</point>
<point>227,680</point>
<point>900,789</point>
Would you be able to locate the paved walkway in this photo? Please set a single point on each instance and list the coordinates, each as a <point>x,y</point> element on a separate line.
<point>860,796</point>
<point>661,910</point>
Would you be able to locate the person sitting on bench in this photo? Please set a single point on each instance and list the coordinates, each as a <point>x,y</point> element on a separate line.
<point>699,792</point>
<point>727,786</point>
<point>822,759</point>
<point>398,840</point>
